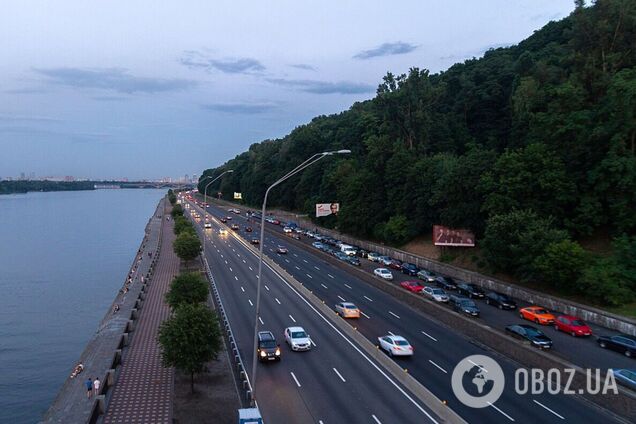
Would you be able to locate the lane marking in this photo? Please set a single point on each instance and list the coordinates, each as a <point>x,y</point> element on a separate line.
<point>502,412</point>
<point>305,261</point>
<point>251,304</point>
<point>242,289</point>
<point>316,267</point>
<point>365,315</point>
<point>225,262</point>
<point>330,276</point>
<point>277,301</point>
<point>347,286</point>
<point>236,278</point>
<point>478,366</point>
<point>250,268</point>
<point>376,419</point>
<point>298,268</point>
<point>390,333</point>
<point>266,288</point>
<point>295,379</point>
<point>370,300</point>
<point>429,336</point>
<point>231,269</point>
<point>312,342</point>
<point>340,375</point>
<point>292,318</point>
<point>222,255</point>
<point>261,321</point>
<point>244,261</point>
<point>295,255</point>
<point>547,409</point>
<point>342,298</point>
<point>324,286</point>
<point>309,275</point>
<point>397,316</point>
<point>287,260</point>
<point>438,367</point>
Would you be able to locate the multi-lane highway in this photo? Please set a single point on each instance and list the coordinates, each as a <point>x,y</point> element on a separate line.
<point>438,349</point>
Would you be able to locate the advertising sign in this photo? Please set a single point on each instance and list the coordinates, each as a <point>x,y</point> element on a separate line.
<point>444,236</point>
<point>326,209</point>
<point>238,196</point>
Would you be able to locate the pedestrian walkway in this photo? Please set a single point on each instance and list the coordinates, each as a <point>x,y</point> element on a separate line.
<point>144,389</point>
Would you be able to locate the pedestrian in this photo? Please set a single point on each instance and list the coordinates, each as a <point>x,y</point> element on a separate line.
<point>89,387</point>
<point>96,384</point>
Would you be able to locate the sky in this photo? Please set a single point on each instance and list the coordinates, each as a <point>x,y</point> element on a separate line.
<point>149,89</point>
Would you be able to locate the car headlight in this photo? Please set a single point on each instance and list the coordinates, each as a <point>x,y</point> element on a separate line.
<point>277,352</point>
<point>263,354</point>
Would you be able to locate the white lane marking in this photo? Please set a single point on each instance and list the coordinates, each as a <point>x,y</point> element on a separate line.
<point>250,268</point>
<point>305,261</point>
<point>287,260</point>
<point>277,301</point>
<point>370,300</point>
<point>295,255</point>
<point>242,289</point>
<point>295,379</point>
<point>298,268</point>
<point>225,262</point>
<point>547,409</point>
<point>233,250</point>
<point>238,254</point>
<point>231,269</point>
<point>236,278</point>
<point>244,261</point>
<point>218,251</point>
<point>221,255</point>
<point>347,286</point>
<point>365,315</point>
<point>478,366</point>
<point>339,375</point>
<point>292,318</point>
<point>266,288</point>
<point>324,286</point>
<point>390,333</point>
<point>261,321</point>
<point>309,275</point>
<point>502,412</point>
<point>257,277</point>
<point>320,422</point>
<point>330,276</point>
<point>438,367</point>
<point>316,267</point>
<point>271,250</point>
<point>397,316</point>
<point>251,304</point>
<point>342,298</point>
<point>312,342</point>
<point>429,336</point>
<point>376,419</point>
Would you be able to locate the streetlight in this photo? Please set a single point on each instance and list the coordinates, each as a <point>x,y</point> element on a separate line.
<point>313,159</point>
<point>205,202</point>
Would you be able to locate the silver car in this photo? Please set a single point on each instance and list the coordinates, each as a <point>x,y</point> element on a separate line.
<point>435,293</point>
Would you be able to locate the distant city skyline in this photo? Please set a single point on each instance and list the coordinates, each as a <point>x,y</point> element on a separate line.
<point>104,89</point>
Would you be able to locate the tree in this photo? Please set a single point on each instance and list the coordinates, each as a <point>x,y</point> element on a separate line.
<point>181,224</point>
<point>187,288</point>
<point>397,230</point>
<point>177,210</point>
<point>190,338</point>
<point>561,265</point>
<point>601,281</point>
<point>187,246</point>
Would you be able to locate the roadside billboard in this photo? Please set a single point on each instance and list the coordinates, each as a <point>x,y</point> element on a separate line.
<point>326,209</point>
<point>444,236</point>
<point>238,196</point>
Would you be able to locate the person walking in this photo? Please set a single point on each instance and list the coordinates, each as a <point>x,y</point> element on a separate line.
<point>89,387</point>
<point>96,385</point>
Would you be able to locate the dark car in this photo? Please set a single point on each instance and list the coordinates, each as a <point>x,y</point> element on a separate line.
<point>470,290</point>
<point>223,220</point>
<point>235,227</point>
<point>268,349</point>
<point>464,305</point>
<point>531,334</point>
<point>409,269</point>
<point>395,264</point>
<point>255,241</point>
<point>248,229</point>
<point>447,283</point>
<point>500,300</point>
<point>353,260</point>
<point>622,343</point>
<point>362,253</point>
<point>341,256</point>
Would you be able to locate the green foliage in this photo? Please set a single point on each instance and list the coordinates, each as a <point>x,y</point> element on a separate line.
<point>181,224</point>
<point>187,289</point>
<point>9,187</point>
<point>397,230</point>
<point>602,282</point>
<point>172,198</point>
<point>187,246</point>
<point>190,338</point>
<point>561,265</point>
<point>177,210</point>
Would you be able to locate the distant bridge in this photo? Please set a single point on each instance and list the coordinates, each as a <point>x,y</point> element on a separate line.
<point>143,184</point>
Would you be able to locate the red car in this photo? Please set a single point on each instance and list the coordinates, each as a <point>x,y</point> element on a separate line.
<point>395,264</point>
<point>412,286</point>
<point>573,325</point>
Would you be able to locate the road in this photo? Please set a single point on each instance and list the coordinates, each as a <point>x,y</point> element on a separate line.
<point>438,348</point>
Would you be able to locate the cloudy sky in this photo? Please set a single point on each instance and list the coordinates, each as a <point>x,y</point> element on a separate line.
<point>147,89</point>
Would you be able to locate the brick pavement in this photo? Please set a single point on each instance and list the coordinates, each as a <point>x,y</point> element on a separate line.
<point>144,389</point>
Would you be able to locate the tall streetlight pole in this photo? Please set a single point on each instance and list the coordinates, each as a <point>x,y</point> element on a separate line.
<point>313,159</point>
<point>205,202</point>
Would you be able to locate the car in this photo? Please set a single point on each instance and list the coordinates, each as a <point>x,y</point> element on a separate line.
<point>435,293</point>
<point>362,253</point>
<point>383,273</point>
<point>464,305</point>
<point>500,300</point>
<point>248,229</point>
<point>626,377</point>
<point>412,286</point>
<point>229,218</point>
<point>282,250</point>
<point>622,343</point>
<point>208,225</point>
<point>347,310</point>
<point>235,227</point>
<point>295,236</point>
<point>537,314</point>
<point>342,256</point>
<point>297,338</point>
<point>470,290</point>
<point>409,269</point>
<point>572,325</point>
<point>353,261</point>
<point>255,241</point>
<point>317,245</point>
<point>385,260</point>
<point>395,264</point>
<point>223,220</point>
<point>395,345</point>
<point>223,232</point>
<point>287,230</point>
<point>373,256</point>
<point>447,283</point>
<point>426,275</point>
<point>298,230</point>
<point>531,334</point>
<point>268,349</point>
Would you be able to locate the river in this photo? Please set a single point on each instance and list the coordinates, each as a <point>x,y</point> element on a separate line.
<point>63,257</point>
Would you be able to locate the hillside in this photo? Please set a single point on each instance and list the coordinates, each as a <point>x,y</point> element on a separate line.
<point>532,147</point>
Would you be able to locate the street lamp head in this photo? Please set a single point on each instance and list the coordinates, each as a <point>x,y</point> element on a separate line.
<point>336,152</point>
<point>229,170</point>
<point>343,152</point>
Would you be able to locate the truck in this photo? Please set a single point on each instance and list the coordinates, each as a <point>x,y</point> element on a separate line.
<point>348,250</point>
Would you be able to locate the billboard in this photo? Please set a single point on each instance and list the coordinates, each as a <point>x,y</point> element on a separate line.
<point>444,236</point>
<point>326,209</point>
<point>238,195</point>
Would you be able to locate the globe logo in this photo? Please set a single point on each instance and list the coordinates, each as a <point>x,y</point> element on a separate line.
<point>478,381</point>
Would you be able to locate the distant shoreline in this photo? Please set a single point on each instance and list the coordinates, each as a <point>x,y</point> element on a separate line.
<point>23,186</point>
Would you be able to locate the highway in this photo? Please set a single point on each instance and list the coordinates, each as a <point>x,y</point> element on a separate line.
<point>438,349</point>
<point>335,382</point>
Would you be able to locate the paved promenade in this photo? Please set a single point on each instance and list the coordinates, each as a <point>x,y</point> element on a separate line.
<point>144,389</point>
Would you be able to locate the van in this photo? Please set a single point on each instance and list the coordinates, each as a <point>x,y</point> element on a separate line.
<point>348,250</point>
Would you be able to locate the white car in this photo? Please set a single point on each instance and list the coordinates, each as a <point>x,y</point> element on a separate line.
<point>347,310</point>
<point>208,225</point>
<point>383,273</point>
<point>395,345</point>
<point>223,232</point>
<point>297,338</point>
<point>287,230</point>
<point>435,293</point>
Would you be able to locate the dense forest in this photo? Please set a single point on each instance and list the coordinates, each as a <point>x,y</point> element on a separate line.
<point>24,186</point>
<point>532,146</point>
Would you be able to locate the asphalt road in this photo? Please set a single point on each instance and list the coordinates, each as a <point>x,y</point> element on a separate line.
<point>335,382</point>
<point>438,349</point>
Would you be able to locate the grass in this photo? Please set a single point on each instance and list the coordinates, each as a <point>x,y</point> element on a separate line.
<point>628,310</point>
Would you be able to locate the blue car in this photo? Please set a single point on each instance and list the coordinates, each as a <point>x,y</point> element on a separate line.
<point>409,269</point>
<point>626,377</point>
